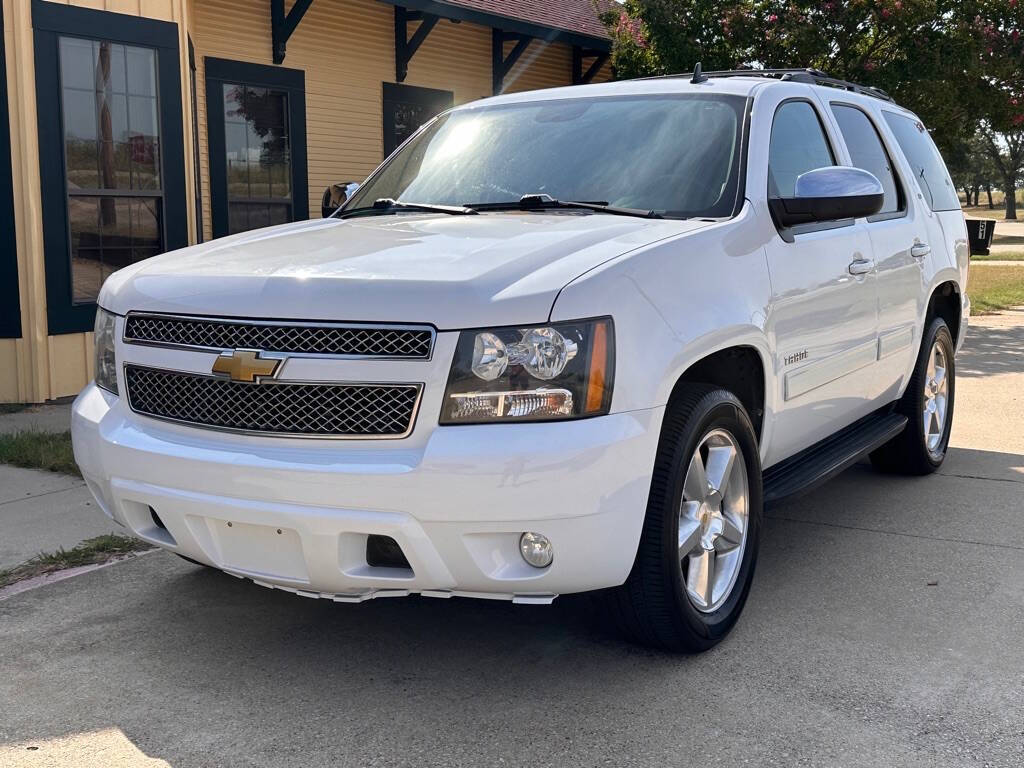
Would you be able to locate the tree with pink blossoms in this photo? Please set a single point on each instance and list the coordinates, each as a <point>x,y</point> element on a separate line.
<point>956,63</point>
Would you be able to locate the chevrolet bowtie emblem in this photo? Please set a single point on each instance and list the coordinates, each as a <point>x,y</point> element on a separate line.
<point>246,365</point>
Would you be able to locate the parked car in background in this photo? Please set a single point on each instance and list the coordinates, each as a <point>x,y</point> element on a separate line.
<point>560,341</point>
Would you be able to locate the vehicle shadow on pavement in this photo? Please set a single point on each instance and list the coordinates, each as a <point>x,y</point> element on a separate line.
<point>881,603</point>
<point>991,349</point>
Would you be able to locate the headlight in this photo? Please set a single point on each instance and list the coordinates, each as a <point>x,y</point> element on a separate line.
<point>558,371</point>
<point>103,339</point>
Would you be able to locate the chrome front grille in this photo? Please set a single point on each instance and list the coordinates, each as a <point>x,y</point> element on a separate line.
<point>338,410</point>
<point>340,340</point>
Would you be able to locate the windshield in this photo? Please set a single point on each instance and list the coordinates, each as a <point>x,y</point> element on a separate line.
<point>674,154</point>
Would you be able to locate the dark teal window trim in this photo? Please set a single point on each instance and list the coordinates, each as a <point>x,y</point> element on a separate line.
<point>51,21</point>
<point>195,139</point>
<point>10,302</point>
<point>293,82</point>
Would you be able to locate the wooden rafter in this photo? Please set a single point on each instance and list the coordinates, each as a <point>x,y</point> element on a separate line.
<point>405,46</point>
<point>579,76</point>
<point>282,24</point>
<point>501,64</point>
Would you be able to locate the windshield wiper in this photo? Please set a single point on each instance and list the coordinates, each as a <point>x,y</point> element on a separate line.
<point>539,202</point>
<point>387,205</point>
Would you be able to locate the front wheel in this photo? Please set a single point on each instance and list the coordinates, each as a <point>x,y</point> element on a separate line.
<point>698,548</point>
<point>928,405</point>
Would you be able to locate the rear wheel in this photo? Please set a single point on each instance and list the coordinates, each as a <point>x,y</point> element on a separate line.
<point>698,548</point>
<point>928,405</point>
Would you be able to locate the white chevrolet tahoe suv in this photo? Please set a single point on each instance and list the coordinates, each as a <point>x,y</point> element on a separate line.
<point>560,341</point>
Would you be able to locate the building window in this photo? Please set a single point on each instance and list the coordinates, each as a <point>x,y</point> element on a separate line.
<point>406,108</point>
<point>258,158</point>
<point>108,93</point>
<point>109,109</point>
<point>257,145</point>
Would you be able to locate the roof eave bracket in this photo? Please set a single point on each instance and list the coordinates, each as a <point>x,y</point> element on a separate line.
<point>501,64</point>
<point>579,77</point>
<point>405,46</point>
<point>282,24</point>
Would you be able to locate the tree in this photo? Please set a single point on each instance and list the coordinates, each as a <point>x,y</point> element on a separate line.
<point>1006,152</point>
<point>956,63</point>
<point>997,29</point>
<point>912,49</point>
<point>658,37</point>
<point>972,169</point>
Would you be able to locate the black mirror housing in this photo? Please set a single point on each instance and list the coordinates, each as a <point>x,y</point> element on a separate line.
<point>336,196</point>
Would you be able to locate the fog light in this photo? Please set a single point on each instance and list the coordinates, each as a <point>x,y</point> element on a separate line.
<point>536,549</point>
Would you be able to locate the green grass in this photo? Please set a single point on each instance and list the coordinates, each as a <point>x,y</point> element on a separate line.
<point>39,450</point>
<point>12,408</point>
<point>1004,256</point>
<point>97,550</point>
<point>994,288</point>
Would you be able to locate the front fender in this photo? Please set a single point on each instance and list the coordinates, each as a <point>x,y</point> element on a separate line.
<point>676,302</point>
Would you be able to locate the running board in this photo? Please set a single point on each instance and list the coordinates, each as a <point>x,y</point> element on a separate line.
<point>826,459</point>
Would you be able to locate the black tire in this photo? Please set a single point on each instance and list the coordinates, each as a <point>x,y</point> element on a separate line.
<point>908,452</point>
<point>652,607</point>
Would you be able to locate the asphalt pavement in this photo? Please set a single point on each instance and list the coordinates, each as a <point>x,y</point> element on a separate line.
<point>885,628</point>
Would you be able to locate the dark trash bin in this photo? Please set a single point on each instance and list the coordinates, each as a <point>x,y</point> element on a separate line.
<point>979,234</point>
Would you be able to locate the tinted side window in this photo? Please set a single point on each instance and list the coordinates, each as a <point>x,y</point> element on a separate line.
<point>797,145</point>
<point>925,161</point>
<point>867,152</point>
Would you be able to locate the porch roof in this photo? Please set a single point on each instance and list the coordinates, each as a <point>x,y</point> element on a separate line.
<point>574,22</point>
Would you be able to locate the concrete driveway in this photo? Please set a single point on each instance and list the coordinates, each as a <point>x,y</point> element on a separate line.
<point>885,628</point>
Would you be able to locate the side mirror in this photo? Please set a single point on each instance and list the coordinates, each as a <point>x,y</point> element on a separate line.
<point>336,196</point>
<point>829,194</point>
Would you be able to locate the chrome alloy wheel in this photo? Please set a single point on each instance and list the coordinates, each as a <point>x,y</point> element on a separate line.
<point>713,520</point>
<point>936,388</point>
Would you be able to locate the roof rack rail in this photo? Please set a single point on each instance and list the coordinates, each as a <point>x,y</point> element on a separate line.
<point>805,75</point>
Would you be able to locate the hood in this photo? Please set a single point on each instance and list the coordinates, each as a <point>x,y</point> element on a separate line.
<point>449,271</point>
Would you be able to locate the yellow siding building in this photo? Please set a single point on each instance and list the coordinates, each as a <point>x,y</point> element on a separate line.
<point>139,126</point>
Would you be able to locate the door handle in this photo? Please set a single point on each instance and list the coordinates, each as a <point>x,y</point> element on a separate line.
<point>920,250</point>
<point>861,266</point>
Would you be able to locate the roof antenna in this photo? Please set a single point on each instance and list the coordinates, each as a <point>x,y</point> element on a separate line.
<point>698,75</point>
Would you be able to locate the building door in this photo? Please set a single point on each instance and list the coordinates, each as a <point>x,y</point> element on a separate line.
<point>257,130</point>
<point>10,306</point>
<point>112,176</point>
<point>406,108</point>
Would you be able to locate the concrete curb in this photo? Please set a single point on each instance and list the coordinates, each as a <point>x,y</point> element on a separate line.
<point>68,573</point>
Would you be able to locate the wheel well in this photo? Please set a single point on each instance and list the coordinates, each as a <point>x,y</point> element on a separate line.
<point>737,369</point>
<point>945,303</point>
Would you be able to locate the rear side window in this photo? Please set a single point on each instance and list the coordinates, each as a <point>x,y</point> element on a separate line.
<point>926,162</point>
<point>867,152</point>
<point>797,145</point>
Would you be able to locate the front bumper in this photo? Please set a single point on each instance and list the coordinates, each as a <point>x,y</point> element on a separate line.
<point>295,514</point>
